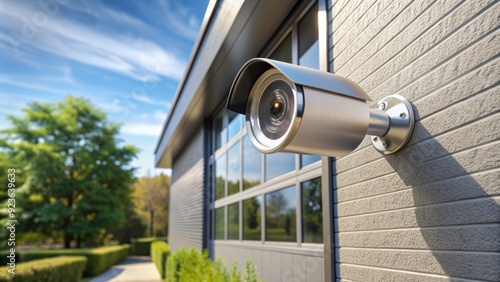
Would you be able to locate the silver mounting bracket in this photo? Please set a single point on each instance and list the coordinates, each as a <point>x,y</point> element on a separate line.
<point>401,123</point>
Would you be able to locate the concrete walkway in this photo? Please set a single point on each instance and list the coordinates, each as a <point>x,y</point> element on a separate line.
<point>137,269</point>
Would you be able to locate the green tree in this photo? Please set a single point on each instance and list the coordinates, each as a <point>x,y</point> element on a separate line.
<point>78,175</point>
<point>133,227</point>
<point>150,199</point>
<point>251,213</point>
<point>3,177</point>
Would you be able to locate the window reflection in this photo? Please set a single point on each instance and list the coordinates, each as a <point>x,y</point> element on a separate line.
<point>219,223</point>
<point>233,171</point>
<point>211,224</point>
<point>284,51</point>
<point>278,164</point>
<point>252,218</point>
<point>281,215</point>
<point>233,222</point>
<point>312,215</point>
<point>308,159</point>
<point>308,40</point>
<point>252,164</point>
<point>220,131</point>
<point>235,124</point>
<point>220,177</point>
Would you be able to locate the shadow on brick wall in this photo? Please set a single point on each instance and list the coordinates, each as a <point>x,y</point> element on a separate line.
<point>457,217</point>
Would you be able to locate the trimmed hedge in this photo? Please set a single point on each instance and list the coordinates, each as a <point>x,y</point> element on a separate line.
<point>159,254</point>
<point>98,259</point>
<point>142,246</point>
<point>192,265</point>
<point>61,269</point>
<point>4,259</point>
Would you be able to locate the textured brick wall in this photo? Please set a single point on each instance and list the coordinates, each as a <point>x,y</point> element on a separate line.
<point>432,211</point>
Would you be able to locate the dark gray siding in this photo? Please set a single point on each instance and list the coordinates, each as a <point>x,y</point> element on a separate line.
<point>186,196</point>
<point>432,211</point>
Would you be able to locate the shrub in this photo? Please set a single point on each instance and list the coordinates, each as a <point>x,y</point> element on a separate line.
<point>98,259</point>
<point>250,271</point>
<point>142,246</point>
<point>62,269</point>
<point>192,265</point>
<point>159,254</point>
<point>4,259</point>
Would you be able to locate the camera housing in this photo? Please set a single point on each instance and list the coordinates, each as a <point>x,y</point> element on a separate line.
<point>290,108</point>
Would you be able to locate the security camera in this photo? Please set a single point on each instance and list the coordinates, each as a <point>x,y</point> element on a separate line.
<point>290,108</point>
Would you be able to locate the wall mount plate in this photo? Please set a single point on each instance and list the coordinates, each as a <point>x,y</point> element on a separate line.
<point>401,123</point>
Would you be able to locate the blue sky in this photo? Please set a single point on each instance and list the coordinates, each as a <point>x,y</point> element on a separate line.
<point>126,57</point>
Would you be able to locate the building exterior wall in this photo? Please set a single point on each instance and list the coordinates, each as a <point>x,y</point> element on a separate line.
<point>275,263</point>
<point>431,211</point>
<point>186,196</point>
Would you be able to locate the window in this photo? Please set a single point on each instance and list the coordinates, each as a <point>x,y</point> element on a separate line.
<point>252,165</point>
<point>306,160</point>
<point>281,215</point>
<point>220,177</point>
<point>233,170</point>
<point>233,222</point>
<point>220,131</point>
<point>219,223</point>
<point>308,40</point>
<point>278,164</point>
<point>284,51</point>
<point>252,218</point>
<point>235,124</point>
<point>312,216</point>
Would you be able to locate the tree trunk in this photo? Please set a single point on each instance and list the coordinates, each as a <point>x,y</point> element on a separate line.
<point>79,241</point>
<point>151,222</point>
<point>67,236</point>
<point>66,221</point>
<point>103,237</point>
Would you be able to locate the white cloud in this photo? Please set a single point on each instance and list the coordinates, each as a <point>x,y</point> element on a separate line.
<point>147,129</point>
<point>12,103</point>
<point>151,126</point>
<point>44,81</point>
<point>26,83</point>
<point>160,115</point>
<point>143,98</point>
<point>179,19</point>
<point>105,14</point>
<point>148,100</point>
<point>135,57</point>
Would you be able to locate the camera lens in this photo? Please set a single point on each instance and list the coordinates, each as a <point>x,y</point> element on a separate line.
<point>275,109</point>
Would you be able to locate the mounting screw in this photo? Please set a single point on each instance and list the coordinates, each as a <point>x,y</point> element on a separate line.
<point>375,139</point>
<point>402,115</point>
<point>385,144</point>
<point>381,106</point>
